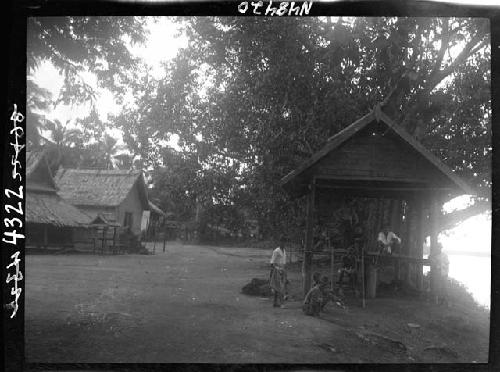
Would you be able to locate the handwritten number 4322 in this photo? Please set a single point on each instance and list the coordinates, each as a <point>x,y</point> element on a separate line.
<point>12,236</point>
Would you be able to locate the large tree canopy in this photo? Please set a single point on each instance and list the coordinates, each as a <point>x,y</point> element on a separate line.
<point>260,95</point>
<point>77,46</point>
<point>251,98</point>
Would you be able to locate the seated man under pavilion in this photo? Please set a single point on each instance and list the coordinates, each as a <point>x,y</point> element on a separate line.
<point>387,241</point>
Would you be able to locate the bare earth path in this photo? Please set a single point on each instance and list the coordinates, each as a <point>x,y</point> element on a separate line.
<point>185,305</point>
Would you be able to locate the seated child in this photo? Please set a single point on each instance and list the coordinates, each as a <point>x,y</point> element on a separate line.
<point>328,295</point>
<point>313,300</point>
<point>318,296</point>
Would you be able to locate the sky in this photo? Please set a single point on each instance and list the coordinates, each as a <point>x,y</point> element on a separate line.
<point>161,46</point>
<point>473,235</point>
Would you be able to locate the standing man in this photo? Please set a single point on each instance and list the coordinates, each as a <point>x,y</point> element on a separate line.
<point>277,277</point>
<point>388,241</point>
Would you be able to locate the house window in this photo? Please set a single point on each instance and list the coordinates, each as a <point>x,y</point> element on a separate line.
<point>127,221</point>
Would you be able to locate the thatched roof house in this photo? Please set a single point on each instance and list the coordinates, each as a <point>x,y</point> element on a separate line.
<point>43,205</point>
<point>48,216</point>
<point>118,195</point>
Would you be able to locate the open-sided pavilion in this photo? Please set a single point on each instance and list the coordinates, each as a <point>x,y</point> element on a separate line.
<point>376,158</point>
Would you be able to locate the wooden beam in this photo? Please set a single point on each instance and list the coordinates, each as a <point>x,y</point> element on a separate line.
<point>367,186</point>
<point>396,257</point>
<point>371,191</point>
<point>417,182</point>
<point>307,262</point>
<point>45,236</point>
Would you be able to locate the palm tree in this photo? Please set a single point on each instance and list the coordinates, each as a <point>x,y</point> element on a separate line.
<point>64,143</point>
<point>109,148</point>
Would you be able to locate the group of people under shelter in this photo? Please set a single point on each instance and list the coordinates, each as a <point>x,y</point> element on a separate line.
<point>320,294</point>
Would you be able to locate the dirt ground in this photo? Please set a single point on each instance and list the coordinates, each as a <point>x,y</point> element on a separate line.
<point>185,305</point>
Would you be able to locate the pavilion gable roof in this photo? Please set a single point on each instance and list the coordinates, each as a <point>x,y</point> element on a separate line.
<point>347,133</point>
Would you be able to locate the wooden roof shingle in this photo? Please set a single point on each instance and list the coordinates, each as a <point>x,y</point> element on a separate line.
<point>49,208</point>
<point>43,205</point>
<point>38,174</point>
<point>90,187</point>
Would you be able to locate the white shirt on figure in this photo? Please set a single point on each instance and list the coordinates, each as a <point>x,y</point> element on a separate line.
<point>279,257</point>
<point>387,239</point>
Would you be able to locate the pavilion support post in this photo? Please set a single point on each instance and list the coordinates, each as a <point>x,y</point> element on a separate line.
<point>407,228</point>
<point>332,264</point>
<point>164,239</point>
<point>401,229</point>
<point>307,262</point>
<point>45,236</point>
<point>114,248</point>
<point>410,239</point>
<point>419,241</point>
<point>435,248</point>
<point>103,246</point>
<point>397,269</point>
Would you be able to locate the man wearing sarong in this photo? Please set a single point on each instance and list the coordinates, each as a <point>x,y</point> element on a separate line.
<point>277,277</point>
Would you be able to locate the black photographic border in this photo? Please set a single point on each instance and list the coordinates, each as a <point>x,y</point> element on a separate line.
<point>15,39</point>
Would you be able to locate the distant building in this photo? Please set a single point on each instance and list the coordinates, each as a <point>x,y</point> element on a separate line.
<point>119,196</point>
<point>50,221</point>
<point>160,225</point>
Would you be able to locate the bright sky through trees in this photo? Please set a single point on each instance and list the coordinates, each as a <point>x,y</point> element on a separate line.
<point>162,45</point>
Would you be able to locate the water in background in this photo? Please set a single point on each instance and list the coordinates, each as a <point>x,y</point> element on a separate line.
<point>469,251</point>
<point>475,273</point>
